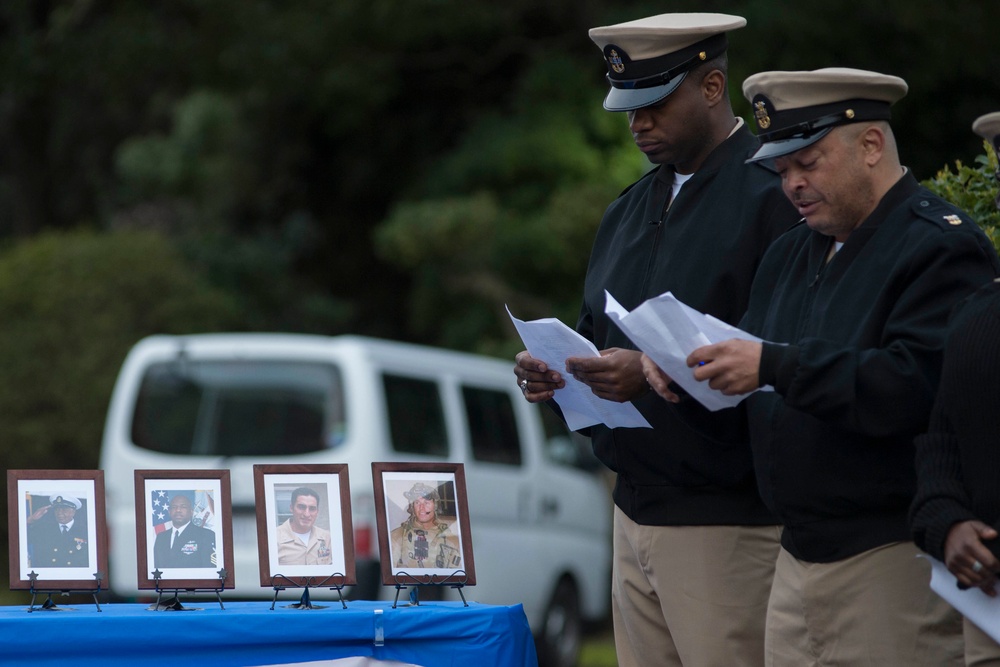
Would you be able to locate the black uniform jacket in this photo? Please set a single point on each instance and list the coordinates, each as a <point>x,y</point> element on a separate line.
<point>855,367</point>
<point>705,249</point>
<point>195,547</point>
<point>958,459</point>
<point>50,547</point>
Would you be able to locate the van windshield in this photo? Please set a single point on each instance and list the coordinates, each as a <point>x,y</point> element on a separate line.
<point>239,408</point>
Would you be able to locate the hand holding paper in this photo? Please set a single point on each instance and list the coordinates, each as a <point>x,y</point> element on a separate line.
<point>731,367</point>
<point>975,605</point>
<point>551,341</point>
<point>668,331</point>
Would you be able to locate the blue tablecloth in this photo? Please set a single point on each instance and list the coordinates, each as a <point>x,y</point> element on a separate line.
<point>434,634</point>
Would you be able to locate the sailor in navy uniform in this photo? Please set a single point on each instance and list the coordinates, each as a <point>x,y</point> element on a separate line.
<point>57,537</point>
<point>183,544</point>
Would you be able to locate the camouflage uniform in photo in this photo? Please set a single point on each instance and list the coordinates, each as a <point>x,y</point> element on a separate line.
<point>416,546</point>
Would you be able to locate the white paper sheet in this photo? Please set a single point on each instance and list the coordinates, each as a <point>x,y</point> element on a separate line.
<point>551,341</point>
<point>972,603</point>
<point>668,331</point>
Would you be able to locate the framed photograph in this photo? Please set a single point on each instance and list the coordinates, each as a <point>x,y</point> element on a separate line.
<point>58,533</point>
<point>184,529</point>
<point>422,514</point>
<point>304,532</point>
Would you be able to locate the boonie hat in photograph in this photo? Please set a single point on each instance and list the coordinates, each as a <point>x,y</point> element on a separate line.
<point>988,127</point>
<point>421,490</point>
<point>648,58</point>
<point>795,109</point>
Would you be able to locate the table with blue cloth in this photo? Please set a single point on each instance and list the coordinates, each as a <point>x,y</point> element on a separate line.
<point>432,634</point>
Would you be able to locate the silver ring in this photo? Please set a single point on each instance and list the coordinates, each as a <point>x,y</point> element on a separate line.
<point>977,567</point>
<point>524,385</point>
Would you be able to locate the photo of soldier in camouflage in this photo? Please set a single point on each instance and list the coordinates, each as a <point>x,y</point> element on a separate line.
<point>427,538</point>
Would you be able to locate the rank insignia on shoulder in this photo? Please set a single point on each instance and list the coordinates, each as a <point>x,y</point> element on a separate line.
<point>953,219</point>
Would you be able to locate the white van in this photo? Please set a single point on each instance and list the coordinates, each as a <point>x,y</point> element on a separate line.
<point>539,510</point>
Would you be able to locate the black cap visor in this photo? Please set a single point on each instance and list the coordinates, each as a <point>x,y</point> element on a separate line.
<point>773,149</point>
<point>630,99</point>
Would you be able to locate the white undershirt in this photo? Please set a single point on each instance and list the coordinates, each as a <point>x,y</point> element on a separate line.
<point>679,180</point>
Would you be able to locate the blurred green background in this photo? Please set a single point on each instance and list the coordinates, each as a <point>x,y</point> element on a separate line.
<point>393,168</point>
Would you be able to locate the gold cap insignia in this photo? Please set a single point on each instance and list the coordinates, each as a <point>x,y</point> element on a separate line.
<point>615,61</point>
<point>953,219</point>
<point>760,113</point>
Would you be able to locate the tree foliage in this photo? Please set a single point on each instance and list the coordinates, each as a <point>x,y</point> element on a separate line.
<point>400,169</point>
<point>973,189</point>
<point>74,304</point>
<point>508,217</point>
<point>535,175</point>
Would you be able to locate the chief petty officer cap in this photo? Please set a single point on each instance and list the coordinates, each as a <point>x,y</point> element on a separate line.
<point>65,501</point>
<point>988,127</point>
<point>421,490</point>
<point>796,109</point>
<point>648,58</point>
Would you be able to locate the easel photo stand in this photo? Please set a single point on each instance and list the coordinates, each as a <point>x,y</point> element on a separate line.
<point>304,602</point>
<point>405,580</point>
<point>174,603</point>
<point>49,604</point>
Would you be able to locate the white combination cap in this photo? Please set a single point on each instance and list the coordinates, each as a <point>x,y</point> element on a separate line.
<point>648,58</point>
<point>795,109</point>
<point>988,127</point>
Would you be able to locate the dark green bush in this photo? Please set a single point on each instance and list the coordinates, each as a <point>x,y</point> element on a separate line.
<point>972,189</point>
<point>73,305</point>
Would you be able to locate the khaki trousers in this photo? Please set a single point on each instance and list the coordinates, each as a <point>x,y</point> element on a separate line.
<point>691,595</point>
<point>875,609</point>
<point>981,650</point>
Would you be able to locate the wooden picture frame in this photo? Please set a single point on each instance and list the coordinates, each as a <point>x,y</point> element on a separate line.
<point>201,557</point>
<point>328,557</point>
<point>409,551</point>
<point>43,557</point>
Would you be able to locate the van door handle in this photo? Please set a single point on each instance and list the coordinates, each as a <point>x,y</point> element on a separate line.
<point>550,506</point>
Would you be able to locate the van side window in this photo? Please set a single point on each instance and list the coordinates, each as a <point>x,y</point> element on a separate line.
<point>492,426</point>
<point>416,417</point>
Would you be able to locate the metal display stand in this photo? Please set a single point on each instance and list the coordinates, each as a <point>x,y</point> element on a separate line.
<point>174,603</point>
<point>414,582</point>
<point>49,604</point>
<point>304,602</point>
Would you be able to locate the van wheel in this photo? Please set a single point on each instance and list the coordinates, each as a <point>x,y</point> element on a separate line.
<point>558,644</point>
